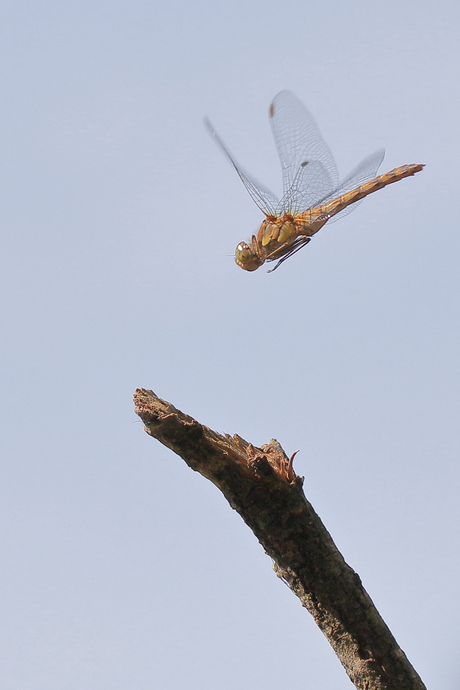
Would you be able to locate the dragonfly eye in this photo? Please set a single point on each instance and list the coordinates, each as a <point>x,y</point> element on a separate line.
<point>245,257</point>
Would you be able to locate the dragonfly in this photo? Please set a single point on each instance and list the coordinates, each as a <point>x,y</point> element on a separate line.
<point>312,194</point>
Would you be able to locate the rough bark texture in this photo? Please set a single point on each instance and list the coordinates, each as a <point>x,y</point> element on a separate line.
<point>261,485</point>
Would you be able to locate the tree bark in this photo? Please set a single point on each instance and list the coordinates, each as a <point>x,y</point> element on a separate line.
<point>260,483</point>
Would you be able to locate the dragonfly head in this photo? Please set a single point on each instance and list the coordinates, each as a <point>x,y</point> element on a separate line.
<point>247,258</point>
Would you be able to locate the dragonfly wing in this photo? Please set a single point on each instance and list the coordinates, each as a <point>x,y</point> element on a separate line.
<point>299,141</point>
<point>264,198</point>
<point>312,179</point>
<point>363,172</point>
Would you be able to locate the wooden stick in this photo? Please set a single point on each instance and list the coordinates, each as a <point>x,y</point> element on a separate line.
<point>260,483</point>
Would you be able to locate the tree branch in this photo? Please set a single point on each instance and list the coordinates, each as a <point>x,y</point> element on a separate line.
<point>261,485</point>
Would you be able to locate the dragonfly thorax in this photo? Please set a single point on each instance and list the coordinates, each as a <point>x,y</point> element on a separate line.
<point>273,235</point>
<point>277,238</point>
<point>275,231</point>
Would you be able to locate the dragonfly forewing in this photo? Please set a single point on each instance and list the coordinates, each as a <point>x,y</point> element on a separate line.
<point>299,141</point>
<point>311,184</point>
<point>262,197</point>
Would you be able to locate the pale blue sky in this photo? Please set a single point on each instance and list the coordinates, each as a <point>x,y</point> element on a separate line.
<point>119,217</point>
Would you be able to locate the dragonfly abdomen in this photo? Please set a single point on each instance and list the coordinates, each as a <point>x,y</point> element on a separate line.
<point>339,203</point>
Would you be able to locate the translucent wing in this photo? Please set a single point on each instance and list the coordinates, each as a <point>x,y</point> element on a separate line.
<point>363,172</point>
<point>311,182</point>
<point>309,169</point>
<point>264,198</point>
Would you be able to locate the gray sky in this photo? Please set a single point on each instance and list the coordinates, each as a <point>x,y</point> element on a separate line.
<point>121,567</point>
